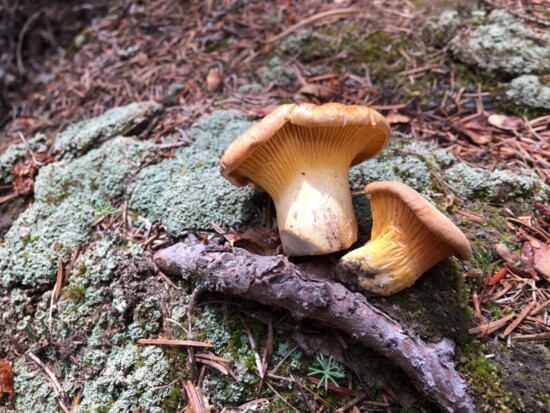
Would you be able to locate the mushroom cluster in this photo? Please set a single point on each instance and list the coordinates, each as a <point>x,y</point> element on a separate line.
<point>301,155</point>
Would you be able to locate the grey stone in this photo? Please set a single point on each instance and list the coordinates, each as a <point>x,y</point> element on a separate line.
<point>529,91</point>
<point>77,139</point>
<point>503,44</point>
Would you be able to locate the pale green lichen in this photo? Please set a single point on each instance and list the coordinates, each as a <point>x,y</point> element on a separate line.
<point>188,193</point>
<point>277,71</point>
<point>503,44</point>
<point>77,139</point>
<point>93,292</point>
<point>38,237</point>
<point>127,382</point>
<point>232,345</point>
<point>529,91</point>
<point>61,217</point>
<point>33,392</point>
<point>215,132</point>
<point>440,29</point>
<point>18,153</point>
<point>95,359</point>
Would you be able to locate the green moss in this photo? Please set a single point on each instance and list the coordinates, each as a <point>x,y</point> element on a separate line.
<point>74,293</point>
<point>485,380</point>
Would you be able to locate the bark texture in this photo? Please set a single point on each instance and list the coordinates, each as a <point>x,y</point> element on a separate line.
<point>273,280</point>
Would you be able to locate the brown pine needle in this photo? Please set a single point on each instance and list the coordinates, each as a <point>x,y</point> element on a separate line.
<point>491,326</point>
<point>340,13</point>
<point>518,320</point>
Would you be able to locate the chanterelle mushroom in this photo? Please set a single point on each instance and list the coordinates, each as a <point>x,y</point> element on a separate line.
<point>301,156</point>
<point>409,236</point>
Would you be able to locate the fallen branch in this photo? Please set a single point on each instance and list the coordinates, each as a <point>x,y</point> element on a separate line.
<point>273,280</point>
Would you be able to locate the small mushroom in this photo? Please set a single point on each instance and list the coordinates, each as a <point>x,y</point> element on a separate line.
<point>301,156</point>
<point>409,236</point>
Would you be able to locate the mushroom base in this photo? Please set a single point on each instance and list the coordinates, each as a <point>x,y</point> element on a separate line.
<point>384,267</point>
<point>315,215</point>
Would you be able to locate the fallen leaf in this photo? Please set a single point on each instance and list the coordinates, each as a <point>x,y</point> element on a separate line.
<point>319,91</point>
<point>259,241</point>
<point>541,260</point>
<point>23,177</point>
<point>260,112</point>
<point>396,117</point>
<point>505,122</point>
<point>6,378</point>
<point>518,264</point>
<point>477,131</point>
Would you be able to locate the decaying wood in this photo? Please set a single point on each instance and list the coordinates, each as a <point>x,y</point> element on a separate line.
<point>273,280</point>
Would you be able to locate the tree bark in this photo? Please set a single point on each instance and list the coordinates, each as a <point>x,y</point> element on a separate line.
<point>273,280</point>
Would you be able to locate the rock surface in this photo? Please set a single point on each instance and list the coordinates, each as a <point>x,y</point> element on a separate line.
<point>502,43</point>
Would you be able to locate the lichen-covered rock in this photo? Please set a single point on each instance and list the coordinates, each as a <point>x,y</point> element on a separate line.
<point>498,185</point>
<point>438,30</point>
<point>188,193</point>
<point>109,302</point>
<point>415,164</point>
<point>77,139</point>
<point>15,154</point>
<point>215,132</point>
<point>39,236</point>
<point>127,382</point>
<point>529,91</point>
<point>503,44</point>
<point>67,194</point>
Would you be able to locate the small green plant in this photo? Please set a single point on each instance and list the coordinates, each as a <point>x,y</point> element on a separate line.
<point>101,211</point>
<point>329,371</point>
<point>484,262</point>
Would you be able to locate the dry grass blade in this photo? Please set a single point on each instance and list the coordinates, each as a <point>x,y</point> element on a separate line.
<point>197,401</point>
<point>59,281</point>
<point>58,389</point>
<point>176,343</point>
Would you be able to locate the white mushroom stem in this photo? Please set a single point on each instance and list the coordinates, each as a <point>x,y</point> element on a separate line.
<point>315,214</point>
